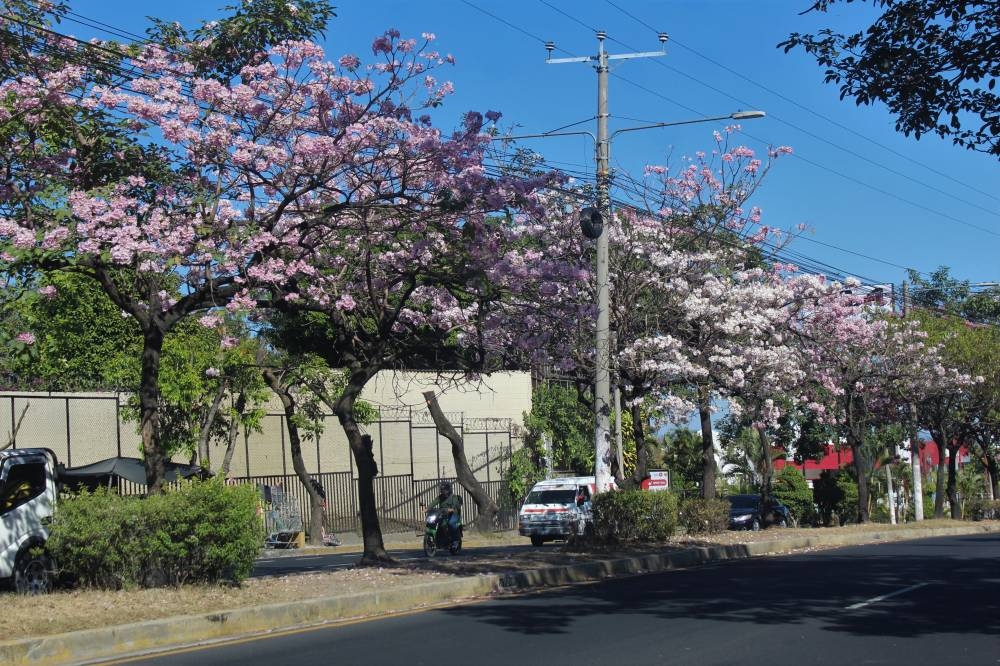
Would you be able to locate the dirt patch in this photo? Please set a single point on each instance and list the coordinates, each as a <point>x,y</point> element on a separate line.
<point>86,609</point>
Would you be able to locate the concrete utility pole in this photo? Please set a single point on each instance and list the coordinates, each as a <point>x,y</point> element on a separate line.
<point>592,222</point>
<point>602,382</point>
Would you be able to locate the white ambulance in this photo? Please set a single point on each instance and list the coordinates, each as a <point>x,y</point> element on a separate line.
<point>557,509</point>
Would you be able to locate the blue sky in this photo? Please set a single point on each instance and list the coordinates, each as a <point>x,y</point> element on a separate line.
<point>861,188</point>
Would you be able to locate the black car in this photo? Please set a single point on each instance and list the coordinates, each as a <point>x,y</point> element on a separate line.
<point>747,512</point>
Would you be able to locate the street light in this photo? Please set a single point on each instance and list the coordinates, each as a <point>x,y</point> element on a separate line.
<point>591,222</point>
<point>602,382</point>
<point>602,374</point>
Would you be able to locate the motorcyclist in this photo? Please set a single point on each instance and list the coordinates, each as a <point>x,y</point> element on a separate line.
<point>452,506</point>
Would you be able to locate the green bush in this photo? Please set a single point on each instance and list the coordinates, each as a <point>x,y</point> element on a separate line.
<point>704,516</point>
<point>982,509</point>
<point>836,494</point>
<point>634,515</point>
<point>792,490</point>
<point>847,507</point>
<point>201,532</point>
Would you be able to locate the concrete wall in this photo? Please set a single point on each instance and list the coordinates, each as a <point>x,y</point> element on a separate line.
<point>85,427</point>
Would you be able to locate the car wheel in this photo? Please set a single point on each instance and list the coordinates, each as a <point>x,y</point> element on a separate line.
<point>33,573</point>
<point>755,524</point>
<point>782,523</point>
<point>537,541</point>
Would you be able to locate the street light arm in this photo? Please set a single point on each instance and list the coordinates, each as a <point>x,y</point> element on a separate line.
<point>738,115</point>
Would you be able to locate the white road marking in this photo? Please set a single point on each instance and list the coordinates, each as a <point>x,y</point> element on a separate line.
<point>873,600</point>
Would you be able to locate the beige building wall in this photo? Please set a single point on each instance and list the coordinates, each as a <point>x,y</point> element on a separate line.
<point>82,428</point>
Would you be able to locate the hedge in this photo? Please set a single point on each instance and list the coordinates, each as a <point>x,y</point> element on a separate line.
<point>634,515</point>
<point>203,531</point>
<point>704,516</point>
<point>981,509</point>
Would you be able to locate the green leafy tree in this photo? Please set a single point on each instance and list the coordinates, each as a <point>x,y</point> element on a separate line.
<point>836,494</point>
<point>557,412</point>
<point>82,341</point>
<point>683,457</point>
<point>222,48</point>
<point>792,490</point>
<point>933,63</point>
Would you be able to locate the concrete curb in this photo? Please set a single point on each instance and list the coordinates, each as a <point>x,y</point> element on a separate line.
<point>119,641</point>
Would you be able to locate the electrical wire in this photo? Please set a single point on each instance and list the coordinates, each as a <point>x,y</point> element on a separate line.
<point>785,98</point>
<point>587,175</point>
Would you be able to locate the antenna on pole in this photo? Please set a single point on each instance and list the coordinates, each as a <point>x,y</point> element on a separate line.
<point>550,47</point>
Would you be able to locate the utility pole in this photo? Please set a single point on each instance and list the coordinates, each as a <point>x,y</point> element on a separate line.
<point>602,383</point>
<point>592,224</point>
<point>918,481</point>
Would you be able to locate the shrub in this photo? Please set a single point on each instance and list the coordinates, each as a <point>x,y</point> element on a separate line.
<point>836,494</point>
<point>982,509</point>
<point>634,515</point>
<point>847,507</point>
<point>792,490</point>
<point>201,532</point>
<point>704,516</point>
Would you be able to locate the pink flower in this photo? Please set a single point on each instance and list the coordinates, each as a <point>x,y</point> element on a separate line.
<point>346,303</point>
<point>26,338</point>
<point>48,291</point>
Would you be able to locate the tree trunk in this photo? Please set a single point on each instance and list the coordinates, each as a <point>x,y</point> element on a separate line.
<point>953,499</point>
<point>939,490</point>
<point>361,448</point>
<point>641,454</point>
<point>918,474</point>
<point>204,457</point>
<point>149,409</point>
<point>861,468</point>
<point>707,446</point>
<point>618,469</point>
<point>486,507</point>
<point>295,448</point>
<point>12,434</point>
<point>994,471</point>
<point>767,482</point>
<point>234,427</point>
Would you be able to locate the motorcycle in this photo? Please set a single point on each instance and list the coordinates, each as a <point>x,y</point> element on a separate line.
<point>436,533</point>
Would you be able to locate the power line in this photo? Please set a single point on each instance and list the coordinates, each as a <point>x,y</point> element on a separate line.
<point>808,133</point>
<point>122,71</point>
<point>789,124</point>
<point>833,171</point>
<point>781,96</point>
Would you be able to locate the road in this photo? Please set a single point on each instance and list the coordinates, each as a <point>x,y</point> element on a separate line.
<point>933,601</point>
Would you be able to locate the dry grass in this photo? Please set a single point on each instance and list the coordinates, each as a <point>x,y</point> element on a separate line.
<point>85,609</point>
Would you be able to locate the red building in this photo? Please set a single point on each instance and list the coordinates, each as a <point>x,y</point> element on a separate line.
<point>834,459</point>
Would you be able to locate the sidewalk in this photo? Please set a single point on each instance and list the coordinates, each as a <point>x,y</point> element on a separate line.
<point>150,636</point>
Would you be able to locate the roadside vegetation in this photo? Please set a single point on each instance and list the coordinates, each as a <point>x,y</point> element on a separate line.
<point>217,215</point>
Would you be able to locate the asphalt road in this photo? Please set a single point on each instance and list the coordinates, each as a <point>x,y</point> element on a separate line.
<point>934,601</point>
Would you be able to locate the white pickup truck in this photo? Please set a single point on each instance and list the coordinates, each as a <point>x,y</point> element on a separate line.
<point>28,493</point>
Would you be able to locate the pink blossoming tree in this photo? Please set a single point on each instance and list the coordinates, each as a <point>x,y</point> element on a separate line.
<point>255,192</point>
<point>861,362</point>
